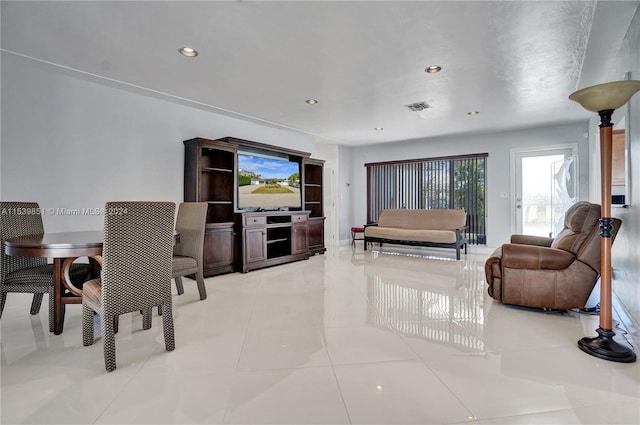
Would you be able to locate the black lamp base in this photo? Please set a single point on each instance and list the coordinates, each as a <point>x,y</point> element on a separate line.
<point>604,347</point>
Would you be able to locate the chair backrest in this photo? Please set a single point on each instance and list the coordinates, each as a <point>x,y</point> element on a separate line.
<point>192,217</point>
<point>19,219</point>
<point>137,255</point>
<point>581,233</point>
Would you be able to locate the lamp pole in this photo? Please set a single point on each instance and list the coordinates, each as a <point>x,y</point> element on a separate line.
<point>605,99</point>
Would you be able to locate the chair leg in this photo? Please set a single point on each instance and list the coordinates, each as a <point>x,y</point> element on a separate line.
<point>146,318</point>
<point>179,285</point>
<point>109,344</point>
<point>36,303</point>
<point>3,300</point>
<point>167,325</point>
<point>201,288</point>
<point>87,325</point>
<point>51,311</point>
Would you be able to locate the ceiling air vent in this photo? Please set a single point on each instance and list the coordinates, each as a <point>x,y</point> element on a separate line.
<point>419,106</point>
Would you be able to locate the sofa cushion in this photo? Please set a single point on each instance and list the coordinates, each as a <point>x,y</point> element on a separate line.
<point>434,236</point>
<point>435,219</point>
<point>182,265</point>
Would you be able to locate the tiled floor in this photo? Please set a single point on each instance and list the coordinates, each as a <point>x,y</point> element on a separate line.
<point>345,337</point>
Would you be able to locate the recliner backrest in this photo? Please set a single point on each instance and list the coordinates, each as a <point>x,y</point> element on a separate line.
<point>581,234</point>
<point>580,222</point>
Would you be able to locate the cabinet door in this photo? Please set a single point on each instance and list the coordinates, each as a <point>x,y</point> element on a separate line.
<point>299,243</point>
<point>316,235</point>
<point>255,244</point>
<point>218,248</point>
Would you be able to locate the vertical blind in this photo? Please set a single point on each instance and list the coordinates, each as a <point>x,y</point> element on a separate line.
<point>431,183</point>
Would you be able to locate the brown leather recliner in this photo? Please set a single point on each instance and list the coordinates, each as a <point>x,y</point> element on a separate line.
<point>558,273</point>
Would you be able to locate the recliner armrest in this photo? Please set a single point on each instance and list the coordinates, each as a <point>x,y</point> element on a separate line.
<point>531,240</point>
<point>516,256</point>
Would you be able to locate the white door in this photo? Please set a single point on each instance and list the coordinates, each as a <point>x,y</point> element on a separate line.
<point>545,186</point>
<point>329,195</point>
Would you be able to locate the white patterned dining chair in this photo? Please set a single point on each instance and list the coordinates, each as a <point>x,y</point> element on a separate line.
<point>187,255</point>
<point>28,274</point>
<point>136,271</point>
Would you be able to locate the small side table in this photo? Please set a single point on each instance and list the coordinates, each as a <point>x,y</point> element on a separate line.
<point>355,231</point>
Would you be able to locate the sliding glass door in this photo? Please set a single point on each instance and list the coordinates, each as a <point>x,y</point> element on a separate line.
<point>431,183</point>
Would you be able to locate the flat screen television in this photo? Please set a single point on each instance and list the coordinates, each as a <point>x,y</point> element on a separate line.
<point>268,181</point>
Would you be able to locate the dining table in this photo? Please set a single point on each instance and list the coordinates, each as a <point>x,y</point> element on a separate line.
<point>64,248</point>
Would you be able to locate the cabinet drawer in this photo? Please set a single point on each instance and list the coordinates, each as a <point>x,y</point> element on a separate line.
<point>298,218</point>
<point>252,221</point>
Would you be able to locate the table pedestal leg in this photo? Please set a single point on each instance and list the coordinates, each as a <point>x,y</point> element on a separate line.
<point>58,307</point>
<point>64,290</point>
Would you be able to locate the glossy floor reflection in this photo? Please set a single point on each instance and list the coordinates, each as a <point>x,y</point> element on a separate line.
<point>346,337</point>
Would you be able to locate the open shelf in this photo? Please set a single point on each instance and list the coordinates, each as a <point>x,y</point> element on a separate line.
<point>278,219</point>
<point>217,186</point>
<point>215,159</point>
<point>278,240</point>
<point>313,187</point>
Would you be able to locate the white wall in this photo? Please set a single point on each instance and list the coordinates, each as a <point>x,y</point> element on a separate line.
<point>626,249</point>
<point>72,143</point>
<point>497,145</point>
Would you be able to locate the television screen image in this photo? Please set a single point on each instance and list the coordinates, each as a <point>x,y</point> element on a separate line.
<point>268,182</point>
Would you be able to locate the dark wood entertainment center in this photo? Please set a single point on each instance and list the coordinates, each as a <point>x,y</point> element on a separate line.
<point>237,240</point>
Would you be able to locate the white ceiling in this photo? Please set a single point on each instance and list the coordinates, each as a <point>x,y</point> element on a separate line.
<point>515,62</point>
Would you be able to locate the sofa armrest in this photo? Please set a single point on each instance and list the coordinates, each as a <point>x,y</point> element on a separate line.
<point>531,240</point>
<point>516,256</point>
<point>460,233</point>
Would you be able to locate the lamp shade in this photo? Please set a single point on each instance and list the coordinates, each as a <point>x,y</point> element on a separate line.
<point>607,96</point>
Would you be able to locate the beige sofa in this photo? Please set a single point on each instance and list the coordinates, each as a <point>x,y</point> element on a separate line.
<point>442,228</point>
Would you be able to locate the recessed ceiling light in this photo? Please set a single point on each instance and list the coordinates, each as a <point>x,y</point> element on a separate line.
<point>188,51</point>
<point>378,128</point>
<point>433,69</point>
<point>311,101</point>
<point>473,113</point>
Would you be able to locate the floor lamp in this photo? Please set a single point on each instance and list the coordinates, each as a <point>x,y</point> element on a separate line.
<point>604,99</point>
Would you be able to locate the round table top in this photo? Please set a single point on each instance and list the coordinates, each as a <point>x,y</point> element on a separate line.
<point>61,245</point>
<point>57,245</point>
